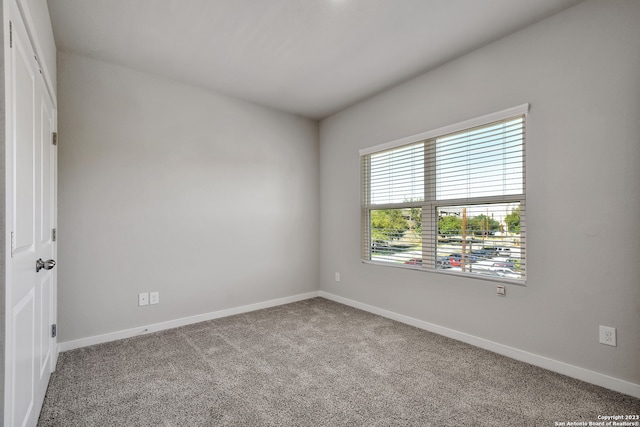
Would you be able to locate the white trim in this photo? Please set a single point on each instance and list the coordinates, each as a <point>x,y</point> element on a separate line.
<point>446,271</point>
<point>563,368</point>
<point>143,330</point>
<point>467,124</point>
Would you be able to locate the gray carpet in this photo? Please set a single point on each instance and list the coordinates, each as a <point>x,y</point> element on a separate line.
<point>311,363</point>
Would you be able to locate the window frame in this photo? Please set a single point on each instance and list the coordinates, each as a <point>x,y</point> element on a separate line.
<point>431,204</point>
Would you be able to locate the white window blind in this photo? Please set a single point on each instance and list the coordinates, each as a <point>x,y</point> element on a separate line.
<point>454,202</point>
<point>482,162</point>
<point>397,176</point>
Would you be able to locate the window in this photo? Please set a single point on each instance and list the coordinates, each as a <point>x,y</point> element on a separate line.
<point>450,200</point>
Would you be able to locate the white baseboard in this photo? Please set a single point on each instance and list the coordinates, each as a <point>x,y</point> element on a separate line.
<point>142,330</point>
<point>514,353</point>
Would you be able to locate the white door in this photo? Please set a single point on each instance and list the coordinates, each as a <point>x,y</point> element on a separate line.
<point>31,206</point>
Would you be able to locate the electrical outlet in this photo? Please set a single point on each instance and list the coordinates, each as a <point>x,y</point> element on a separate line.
<point>500,290</point>
<point>143,299</point>
<point>154,297</point>
<point>608,335</point>
<point>337,276</point>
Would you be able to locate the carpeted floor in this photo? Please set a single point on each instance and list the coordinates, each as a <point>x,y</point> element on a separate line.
<point>311,363</point>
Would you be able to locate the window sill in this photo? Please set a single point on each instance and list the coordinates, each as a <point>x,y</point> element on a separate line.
<point>449,273</point>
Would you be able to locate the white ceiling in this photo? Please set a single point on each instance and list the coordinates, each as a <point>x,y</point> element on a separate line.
<point>308,57</point>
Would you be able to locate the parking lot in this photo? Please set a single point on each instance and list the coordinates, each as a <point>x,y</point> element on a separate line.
<point>500,261</point>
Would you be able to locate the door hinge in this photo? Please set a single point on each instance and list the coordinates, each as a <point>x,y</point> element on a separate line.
<point>10,34</point>
<point>54,138</point>
<point>54,234</point>
<point>13,243</point>
<point>54,330</point>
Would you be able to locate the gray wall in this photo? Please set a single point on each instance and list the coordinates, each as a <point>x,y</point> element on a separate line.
<point>580,70</point>
<point>164,187</point>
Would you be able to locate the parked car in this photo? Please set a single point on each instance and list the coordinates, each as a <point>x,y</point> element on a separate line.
<point>489,251</point>
<point>443,262</point>
<point>456,259</point>
<point>483,253</point>
<point>494,264</point>
<point>495,251</point>
<point>508,273</point>
<point>414,261</point>
<point>503,264</point>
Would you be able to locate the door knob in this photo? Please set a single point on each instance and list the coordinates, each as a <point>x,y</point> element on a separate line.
<point>47,265</point>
